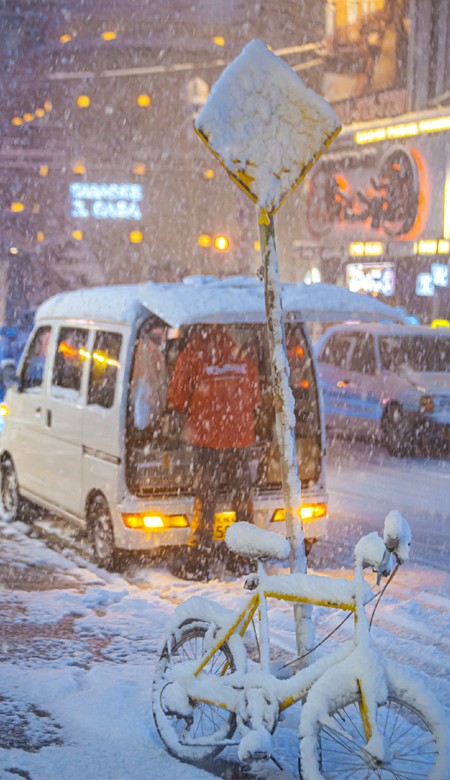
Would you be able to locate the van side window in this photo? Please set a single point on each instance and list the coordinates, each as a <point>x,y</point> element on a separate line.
<point>363,357</point>
<point>34,364</point>
<point>103,371</point>
<point>70,355</point>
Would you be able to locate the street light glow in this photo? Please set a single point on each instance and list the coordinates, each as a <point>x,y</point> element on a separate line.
<point>221,243</point>
<point>109,35</point>
<point>135,237</point>
<point>143,100</point>
<point>65,38</point>
<point>17,121</point>
<point>83,101</point>
<point>17,206</point>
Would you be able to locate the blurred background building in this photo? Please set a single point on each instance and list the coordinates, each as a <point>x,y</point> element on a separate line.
<point>104,180</point>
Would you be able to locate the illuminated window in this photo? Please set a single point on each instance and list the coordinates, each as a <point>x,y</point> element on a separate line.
<point>79,168</point>
<point>43,170</point>
<point>40,235</point>
<point>65,38</point>
<point>40,112</point>
<point>83,101</point>
<point>257,246</point>
<point>218,40</point>
<point>16,206</point>
<point>221,243</point>
<point>77,235</point>
<point>204,240</point>
<point>139,169</point>
<point>36,208</point>
<point>48,106</point>
<point>143,100</point>
<point>209,174</point>
<point>109,35</point>
<point>13,250</point>
<point>135,237</point>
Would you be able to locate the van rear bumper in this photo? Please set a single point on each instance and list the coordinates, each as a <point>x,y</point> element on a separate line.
<point>265,506</point>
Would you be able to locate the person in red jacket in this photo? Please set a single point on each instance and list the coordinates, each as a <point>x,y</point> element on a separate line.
<point>216,385</point>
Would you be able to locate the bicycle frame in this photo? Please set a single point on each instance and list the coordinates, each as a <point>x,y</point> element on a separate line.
<point>346,595</point>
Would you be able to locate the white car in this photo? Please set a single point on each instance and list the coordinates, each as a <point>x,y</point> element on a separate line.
<point>390,381</point>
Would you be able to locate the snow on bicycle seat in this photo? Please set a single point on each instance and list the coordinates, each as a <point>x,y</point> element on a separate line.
<point>252,542</point>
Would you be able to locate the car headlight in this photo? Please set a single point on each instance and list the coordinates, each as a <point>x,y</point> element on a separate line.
<point>427,404</point>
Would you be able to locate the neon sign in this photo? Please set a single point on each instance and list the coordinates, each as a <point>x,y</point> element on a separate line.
<point>105,201</point>
<point>372,278</point>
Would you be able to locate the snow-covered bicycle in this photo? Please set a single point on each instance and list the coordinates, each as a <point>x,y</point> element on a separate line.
<point>362,715</point>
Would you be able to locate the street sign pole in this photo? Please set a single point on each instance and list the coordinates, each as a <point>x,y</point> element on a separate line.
<point>285,419</point>
<point>267,130</point>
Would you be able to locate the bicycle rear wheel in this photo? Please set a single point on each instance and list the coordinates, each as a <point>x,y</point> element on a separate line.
<point>200,735</point>
<point>416,749</point>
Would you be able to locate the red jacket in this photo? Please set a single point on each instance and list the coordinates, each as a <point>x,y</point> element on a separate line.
<point>218,387</point>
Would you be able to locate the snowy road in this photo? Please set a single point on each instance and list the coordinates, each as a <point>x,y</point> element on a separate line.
<point>365,482</point>
<point>78,645</point>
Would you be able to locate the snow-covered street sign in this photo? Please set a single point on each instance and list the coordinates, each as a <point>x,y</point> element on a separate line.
<point>265,126</point>
<point>267,129</point>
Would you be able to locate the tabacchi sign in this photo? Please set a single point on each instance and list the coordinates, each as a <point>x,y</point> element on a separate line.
<point>105,201</point>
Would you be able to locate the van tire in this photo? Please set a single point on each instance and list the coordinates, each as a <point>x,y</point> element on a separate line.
<point>9,491</point>
<point>105,552</point>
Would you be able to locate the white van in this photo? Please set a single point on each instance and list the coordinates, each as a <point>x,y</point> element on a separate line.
<point>82,441</point>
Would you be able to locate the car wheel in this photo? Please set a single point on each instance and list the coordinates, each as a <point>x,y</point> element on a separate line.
<point>105,552</point>
<point>9,491</point>
<point>397,434</point>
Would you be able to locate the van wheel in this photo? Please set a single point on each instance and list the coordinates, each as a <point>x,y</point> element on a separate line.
<point>9,491</point>
<point>105,552</point>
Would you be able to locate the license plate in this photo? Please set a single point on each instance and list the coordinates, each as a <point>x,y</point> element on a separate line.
<point>222,522</point>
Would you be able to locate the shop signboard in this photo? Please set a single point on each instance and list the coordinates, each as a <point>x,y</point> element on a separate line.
<point>391,191</point>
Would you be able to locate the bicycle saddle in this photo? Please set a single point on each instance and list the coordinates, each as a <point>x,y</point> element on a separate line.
<point>250,541</point>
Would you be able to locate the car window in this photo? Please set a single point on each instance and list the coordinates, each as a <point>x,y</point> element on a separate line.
<point>34,363</point>
<point>71,354</point>
<point>417,353</point>
<point>336,350</point>
<point>103,369</point>
<point>363,355</point>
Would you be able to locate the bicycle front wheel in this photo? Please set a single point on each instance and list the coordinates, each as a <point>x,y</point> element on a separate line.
<point>415,745</point>
<point>200,735</point>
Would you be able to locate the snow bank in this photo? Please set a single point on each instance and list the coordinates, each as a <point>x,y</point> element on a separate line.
<point>265,125</point>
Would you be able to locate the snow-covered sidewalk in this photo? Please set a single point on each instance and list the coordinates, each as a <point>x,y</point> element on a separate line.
<point>78,648</point>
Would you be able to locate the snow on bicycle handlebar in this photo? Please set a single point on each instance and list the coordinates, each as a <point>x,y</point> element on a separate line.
<point>397,535</point>
<point>253,542</point>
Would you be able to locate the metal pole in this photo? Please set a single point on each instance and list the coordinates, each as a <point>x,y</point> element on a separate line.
<point>285,420</point>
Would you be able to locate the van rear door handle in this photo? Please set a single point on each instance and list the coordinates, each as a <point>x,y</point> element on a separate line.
<point>48,418</point>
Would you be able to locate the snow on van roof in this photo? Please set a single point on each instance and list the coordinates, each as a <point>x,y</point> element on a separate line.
<point>209,299</point>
